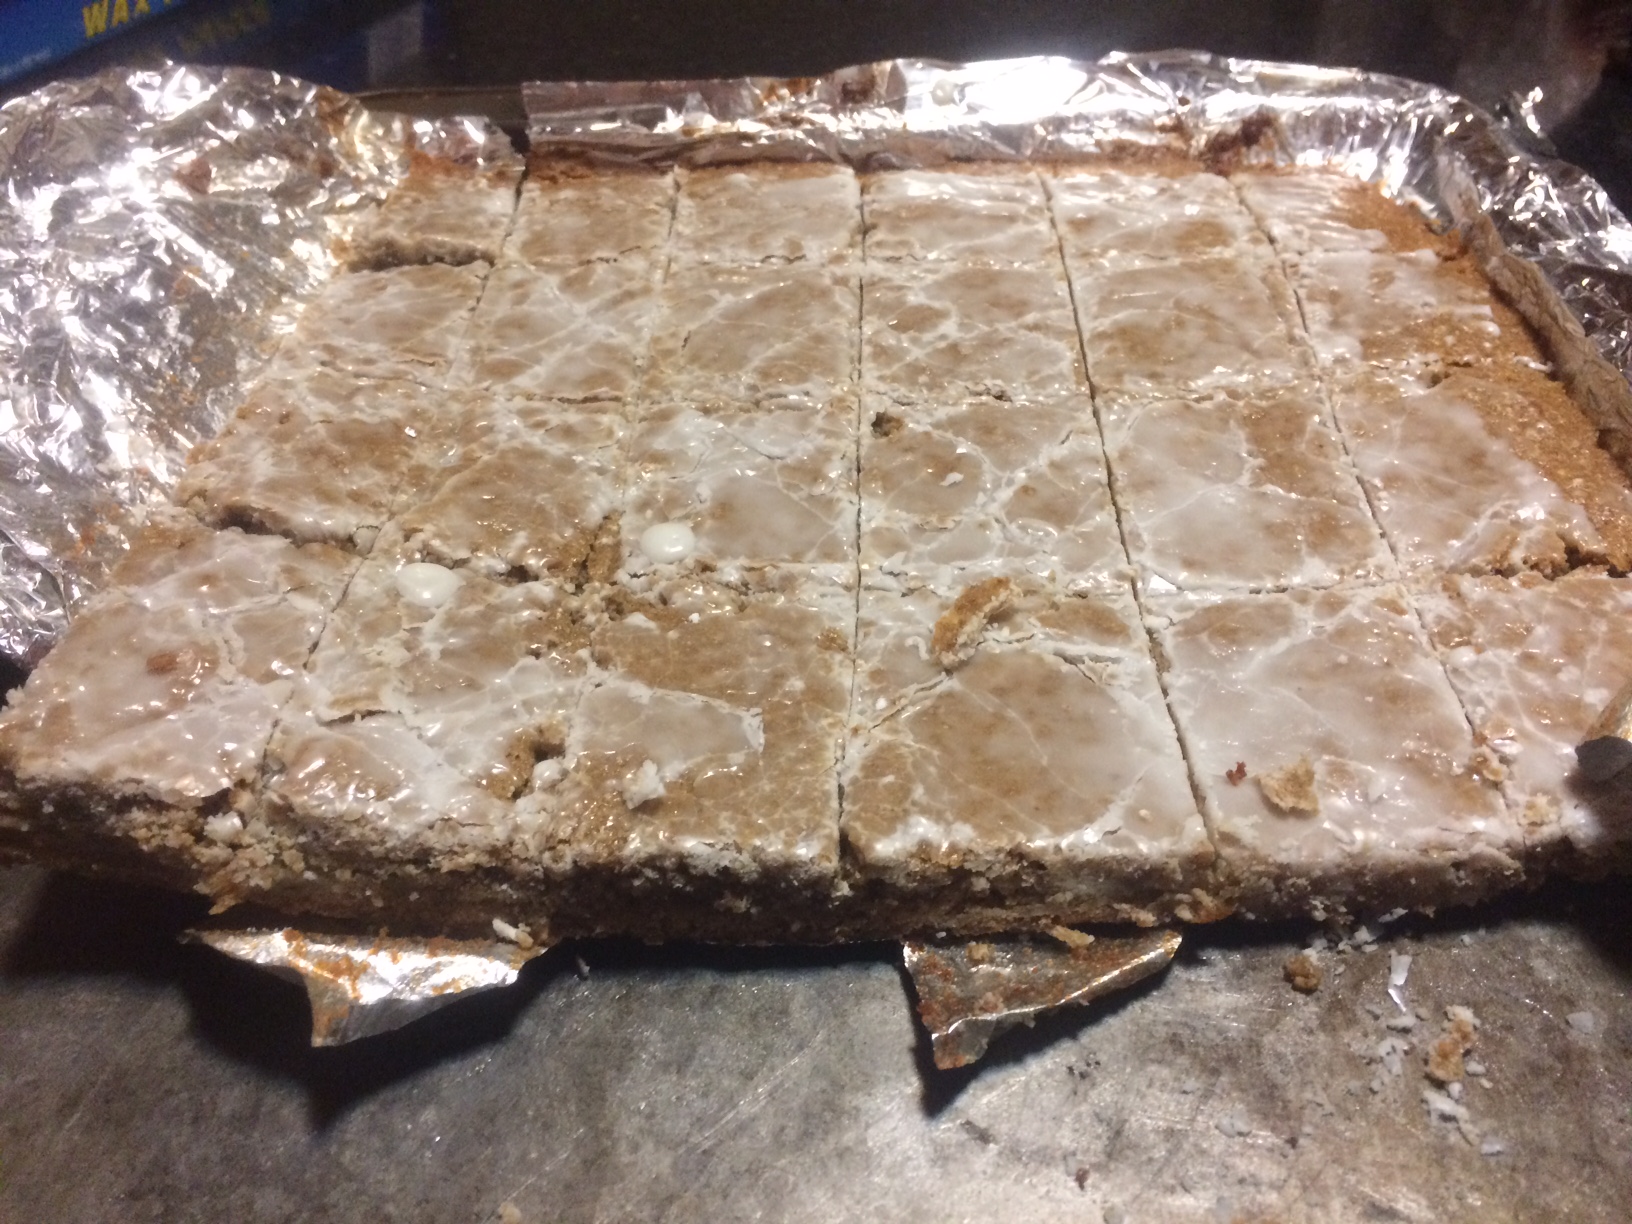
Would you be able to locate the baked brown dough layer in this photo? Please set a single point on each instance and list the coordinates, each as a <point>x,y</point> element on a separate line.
<point>764,552</point>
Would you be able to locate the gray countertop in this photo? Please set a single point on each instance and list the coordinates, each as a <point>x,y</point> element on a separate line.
<point>143,1080</point>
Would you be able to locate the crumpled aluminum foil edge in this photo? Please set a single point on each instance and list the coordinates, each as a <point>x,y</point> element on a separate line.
<point>158,230</point>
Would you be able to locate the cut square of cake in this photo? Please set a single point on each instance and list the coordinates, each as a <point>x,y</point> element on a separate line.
<point>1310,210</point>
<point>573,332</point>
<point>1535,662</point>
<point>1414,308</point>
<point>534,490</point>
<point>931,332</point>
<point>1183,326</point>
<point>755,335</point>
<point>979,488</point>
<point>792,213</point>
<point>1239,489</point>
<point>443,211</point>
<point>317,456</point>
<point>972,215</point>
<point>1113,217</point>
<point>428,709</point>
<point>1011,754</point>
<point>569,213</point>
<point>142,734</point>
<point>1486,468</point>
<point>1332,755</point>
<point>700,786</point>
<point>737,492</point>
<point>395,323</point>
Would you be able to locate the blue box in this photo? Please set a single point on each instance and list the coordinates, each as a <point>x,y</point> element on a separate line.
<point>34,33</point>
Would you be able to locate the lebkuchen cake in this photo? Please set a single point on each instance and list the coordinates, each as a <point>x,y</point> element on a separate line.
<point>773,552</point>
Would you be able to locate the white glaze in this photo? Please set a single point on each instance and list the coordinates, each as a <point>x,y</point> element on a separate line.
<point>668,542</point>
<point>1242,490</point>
<point>1367,305</point>
<point>1449,491</point>
<point>1044,744</point>
<point>1307,211</point>
<point>774,214</point>
<point>979,488</point>
<point>1534,663</point>
<point>753,489</point>
<point>1344,679</point>
<point>931,331</point>
<point>584,219</point>
<point>441,214</point>
<point>171,681</point>
<point>964,218</point>
<point>1191,325</point>
<point>747,335</point>
<point>1114,219</point>
<point>425,584</point>
<point>561,332</point>
<point>400,323</point>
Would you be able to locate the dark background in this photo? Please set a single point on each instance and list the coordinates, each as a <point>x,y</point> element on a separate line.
<point>1574,52</point>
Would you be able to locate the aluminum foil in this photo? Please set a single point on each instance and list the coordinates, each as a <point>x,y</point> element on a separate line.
<point>157,229</point>
<point>361,985</point>
<point>968,993</point>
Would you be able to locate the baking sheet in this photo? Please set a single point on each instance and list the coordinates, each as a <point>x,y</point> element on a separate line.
<point>143,1082</point>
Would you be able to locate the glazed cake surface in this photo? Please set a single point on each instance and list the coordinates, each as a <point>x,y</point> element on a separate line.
<point>769,551</point>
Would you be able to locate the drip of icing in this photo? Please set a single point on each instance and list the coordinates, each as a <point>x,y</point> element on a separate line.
<point>426,585</point>
<point>663,542</point>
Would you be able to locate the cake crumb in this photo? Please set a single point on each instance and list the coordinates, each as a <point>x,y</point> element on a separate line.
<point>1291,788</point>
<point>1487,766</point>
<point>1070,937</point>
<point>960,625</point>
<point>509,1213</point>
<point>1446,1054</point>
<point>1303,972</point>
<point>1237,775</point>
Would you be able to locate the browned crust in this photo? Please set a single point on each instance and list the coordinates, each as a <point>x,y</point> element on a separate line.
<point>557,166</point>
<point>1544,426</point>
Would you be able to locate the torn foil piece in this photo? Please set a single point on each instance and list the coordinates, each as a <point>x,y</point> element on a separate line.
<point>360,985</point>
<point>968,993</point>
<point>1607,748</point>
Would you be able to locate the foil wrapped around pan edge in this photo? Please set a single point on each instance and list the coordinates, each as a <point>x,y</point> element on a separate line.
<point>159,228</point>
